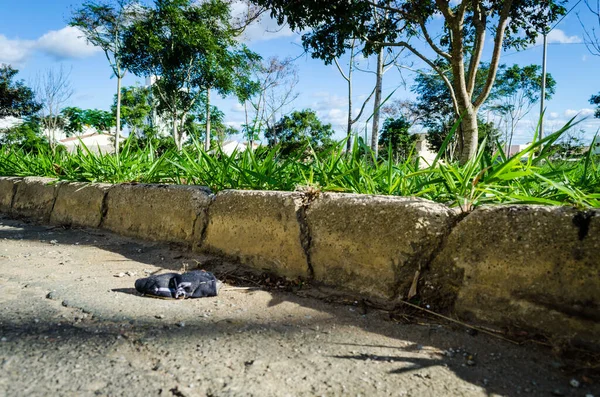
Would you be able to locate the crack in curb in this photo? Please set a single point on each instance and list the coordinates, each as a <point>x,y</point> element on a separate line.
<point>104,208</point>
<point>14,194</point>
<point>206,212</point>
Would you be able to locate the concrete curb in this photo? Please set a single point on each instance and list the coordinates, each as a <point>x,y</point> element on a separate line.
<point>34,198</point>
<point>531,267</point>
<point>260,229</point>
<point>374,245</point>
<point>170,213</point>
<point>8,188</point>
<point>79,204</point>
<point>525,266</point>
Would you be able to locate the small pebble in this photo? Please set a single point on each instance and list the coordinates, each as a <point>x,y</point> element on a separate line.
<point>470,363</point>
<point>159,316</point>
<point>574,383</point>
<point>589,395</point>
<point>557,392</point>
<point>3,339</point>
<point>181,324</point>
<point>120,275</point>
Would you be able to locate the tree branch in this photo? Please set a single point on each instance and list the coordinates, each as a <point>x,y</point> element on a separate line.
<point>479,20</point>
<point>362,108</point>
<point>437,49</point>
<point>495,54</point>
<point>340,69</point>
<point>432,65</point>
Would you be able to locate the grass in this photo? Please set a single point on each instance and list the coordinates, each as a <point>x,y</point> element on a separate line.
<point>485,179</point>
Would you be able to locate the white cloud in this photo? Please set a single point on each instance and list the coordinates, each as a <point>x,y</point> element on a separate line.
<point>237,108</point>
<point>15,51</point>
<point>235,124</point>
<point>581,112</point>
<point>265,28</point>
<point>554,115</point>
<point>65,43</point>
<point>60,44</point>
<point>558,36</point>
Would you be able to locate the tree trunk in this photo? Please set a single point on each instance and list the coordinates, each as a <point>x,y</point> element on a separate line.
<point>469,134</point>
<point>118,128</point>
<point>378,89</point>
<point>207,137</point>
<point>349,129</point>
<point>174,131</point>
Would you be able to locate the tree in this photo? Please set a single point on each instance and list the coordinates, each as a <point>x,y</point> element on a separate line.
<point>195,125</point>
<point>395,139</point>
<point>27,136</point>
<point>53,90</point>
<point>277,80</point>
<point>517,89</point>
<point>514,93</point>
<point>136,108</point>
<point>595,100</point>
<point>16,99</point>
<point>191,48</point>
<point>460,39</point>
<point>348,77</point>
<point>103,25</point>
<point>298,129</point>
<point>590,37</point>
<point>76,119</point>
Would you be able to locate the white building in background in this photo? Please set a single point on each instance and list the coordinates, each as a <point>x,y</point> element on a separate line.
<point>9,122</point>
<point>228,147</point>
<point>95,142</point>
<point>422,150</point>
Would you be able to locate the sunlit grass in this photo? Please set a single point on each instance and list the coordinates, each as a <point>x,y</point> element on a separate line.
<point>531,176</point>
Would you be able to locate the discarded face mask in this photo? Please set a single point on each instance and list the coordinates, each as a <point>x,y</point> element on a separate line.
<point>195,284</point>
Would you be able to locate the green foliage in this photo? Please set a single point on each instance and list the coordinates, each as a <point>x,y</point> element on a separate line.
<point>485,179</point>
<point>136,107</point>
<point>516,89</point>
<point>595,100</point>
<point>395,140</point>
<point>75,119</point>
<point>525,81</point>
<point>301,128</point>
<point>27,136</point>
<point>16,99</point>
<point>192,48</point>
<point>195,126</point>
<point>461,34</point>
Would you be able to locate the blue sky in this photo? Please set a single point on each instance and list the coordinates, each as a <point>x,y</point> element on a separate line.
<point>34,37</point>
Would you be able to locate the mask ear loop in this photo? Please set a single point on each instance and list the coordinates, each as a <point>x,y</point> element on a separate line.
<point>181,292</point>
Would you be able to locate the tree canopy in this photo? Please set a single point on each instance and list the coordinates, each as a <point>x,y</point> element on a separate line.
<point>595,100</point>
<point>191,48</point>
<point>459,40</point>
<point>395,140</point>
<point>298,129</point>
<point>136,107</point>
<point>16,99</point>
<point>75,119</point>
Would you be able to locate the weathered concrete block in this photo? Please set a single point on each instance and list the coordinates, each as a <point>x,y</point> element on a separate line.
<point>79,204</point>
<point>7,192</point>
<point>532,267</point>
<point>373,245</point>
<point>34,198</point>
<point>258,228</point>
<point>157,212</point>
